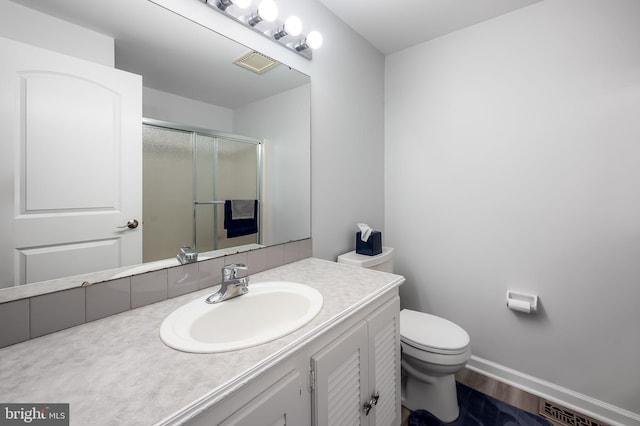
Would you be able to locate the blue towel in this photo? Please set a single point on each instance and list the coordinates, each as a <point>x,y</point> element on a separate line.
<point>240,227</point>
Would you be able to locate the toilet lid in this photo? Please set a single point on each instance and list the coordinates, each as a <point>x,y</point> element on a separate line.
<point>431,333</point>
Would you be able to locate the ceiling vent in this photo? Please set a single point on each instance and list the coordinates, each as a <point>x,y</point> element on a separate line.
<point>256,62</point>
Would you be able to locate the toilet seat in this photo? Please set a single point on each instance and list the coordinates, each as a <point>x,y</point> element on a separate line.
<point>433,334</point>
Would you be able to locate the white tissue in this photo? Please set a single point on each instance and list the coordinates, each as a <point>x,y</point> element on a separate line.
<point>365,231</point>
<point>519,305</point>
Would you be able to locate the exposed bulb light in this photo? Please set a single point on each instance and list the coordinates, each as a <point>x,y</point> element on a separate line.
<point>267,11</point>
<point>312,41</point>
<point>292,26</point>
<point>224,4</point>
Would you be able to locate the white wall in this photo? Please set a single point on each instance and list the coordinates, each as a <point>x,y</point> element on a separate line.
<point>513,161</point>
<point>347,118</point>
<point>177,109</point>
<point>283,120</point>
<point>29,26</point>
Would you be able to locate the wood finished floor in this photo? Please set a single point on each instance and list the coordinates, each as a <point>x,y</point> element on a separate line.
<point>500,391</point>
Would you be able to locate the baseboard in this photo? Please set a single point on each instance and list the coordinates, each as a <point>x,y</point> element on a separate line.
<point>581,403</point>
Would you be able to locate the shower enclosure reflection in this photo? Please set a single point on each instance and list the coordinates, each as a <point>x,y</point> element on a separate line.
<point>188,174</point>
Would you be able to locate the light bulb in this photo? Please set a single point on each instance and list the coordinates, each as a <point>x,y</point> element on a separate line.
<point>293,25</point>
<point>314,40</point>
<point>242,4</point>
<point>268,10</point>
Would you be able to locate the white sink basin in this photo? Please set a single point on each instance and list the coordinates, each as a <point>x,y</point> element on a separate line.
<point>267,312</point>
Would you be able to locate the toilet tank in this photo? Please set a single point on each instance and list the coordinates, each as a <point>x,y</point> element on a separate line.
<point>380,262</point>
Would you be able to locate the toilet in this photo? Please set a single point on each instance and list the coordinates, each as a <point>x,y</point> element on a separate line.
<point>433,350</point>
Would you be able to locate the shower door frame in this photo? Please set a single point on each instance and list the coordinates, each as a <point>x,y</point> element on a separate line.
<point>216,134</point>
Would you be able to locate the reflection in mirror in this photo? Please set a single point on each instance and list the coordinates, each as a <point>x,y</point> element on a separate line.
<point>188,77</point>
<point>187,176</point>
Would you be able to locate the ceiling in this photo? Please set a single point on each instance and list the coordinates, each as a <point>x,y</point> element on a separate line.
<point>394,25</point>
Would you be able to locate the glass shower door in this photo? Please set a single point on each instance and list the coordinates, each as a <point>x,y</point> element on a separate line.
<point>187,177</point>
<point>167,193</point>
<point>226,169</point>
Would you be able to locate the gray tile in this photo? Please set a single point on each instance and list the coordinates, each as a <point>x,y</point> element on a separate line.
<point>108,298</point>
<point>305,249</point>
<point>14,322</point>
<point>183,279</point>
<point>291,252</point>
<point>148,288</point>
<point>257,260</point>
<point>56,311</point>
<point>209,272</point>
<point>275,256</point>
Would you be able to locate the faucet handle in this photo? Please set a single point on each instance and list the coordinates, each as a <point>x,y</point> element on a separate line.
<point>240,266</point>
<point>231,270</point>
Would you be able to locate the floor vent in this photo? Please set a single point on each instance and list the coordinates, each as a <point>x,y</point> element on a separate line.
<point>560,415</point>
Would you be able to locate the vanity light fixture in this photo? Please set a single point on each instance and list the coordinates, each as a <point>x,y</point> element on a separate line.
<point>267,11</point>
<point>313,41</point>
<point>287,33</point>
<point>292,26</point>
<point>224,4</point>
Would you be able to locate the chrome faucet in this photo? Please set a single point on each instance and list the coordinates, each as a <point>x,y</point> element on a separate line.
<point>232,286</point>
<point>187,255</point>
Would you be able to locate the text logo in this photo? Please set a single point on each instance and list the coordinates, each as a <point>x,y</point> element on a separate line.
<point>34,414</point>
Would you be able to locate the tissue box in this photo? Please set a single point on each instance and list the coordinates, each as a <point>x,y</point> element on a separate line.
<point>372,246</point>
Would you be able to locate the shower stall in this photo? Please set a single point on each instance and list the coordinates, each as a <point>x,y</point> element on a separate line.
<point>188,175</point>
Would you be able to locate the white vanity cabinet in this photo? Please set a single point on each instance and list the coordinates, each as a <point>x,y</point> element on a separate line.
<point>356,378</point>
<point>328,381</point>
<point>278,405</point>
<point>278,397</point>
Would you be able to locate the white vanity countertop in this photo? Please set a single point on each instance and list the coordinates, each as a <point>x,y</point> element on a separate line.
<point>117,371</point>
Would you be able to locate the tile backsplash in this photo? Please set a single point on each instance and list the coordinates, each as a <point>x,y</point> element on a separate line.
<point>56,311</point>
<point>36,316</point>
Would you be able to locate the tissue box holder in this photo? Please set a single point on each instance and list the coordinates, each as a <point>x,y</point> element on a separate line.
<point>372,246</point>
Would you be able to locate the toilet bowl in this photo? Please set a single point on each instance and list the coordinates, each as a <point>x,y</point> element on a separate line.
<point>433,351</point>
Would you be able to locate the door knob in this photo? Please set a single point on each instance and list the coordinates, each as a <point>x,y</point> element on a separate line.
<point>131,224</point>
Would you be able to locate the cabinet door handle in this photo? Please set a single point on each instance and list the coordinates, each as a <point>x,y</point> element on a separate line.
<point>369,405</point>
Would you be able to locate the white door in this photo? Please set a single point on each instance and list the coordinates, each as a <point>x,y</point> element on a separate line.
<point>70,165</point>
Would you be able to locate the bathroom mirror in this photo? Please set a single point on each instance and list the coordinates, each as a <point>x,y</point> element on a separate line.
<point>184,66</point>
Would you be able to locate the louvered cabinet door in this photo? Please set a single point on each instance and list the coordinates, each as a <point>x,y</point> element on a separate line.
<point>356,378</point>
<point>384,362</point>
<point>341,375</point>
